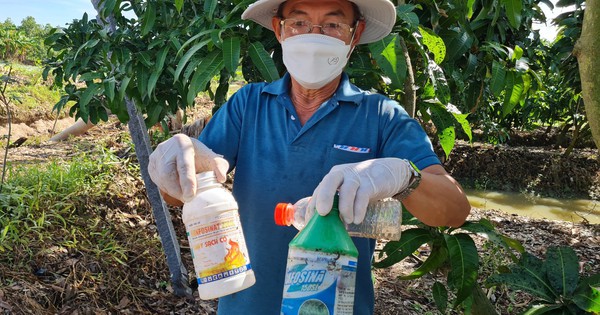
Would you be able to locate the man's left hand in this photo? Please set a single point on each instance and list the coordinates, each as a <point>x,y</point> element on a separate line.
<point>358,184</point>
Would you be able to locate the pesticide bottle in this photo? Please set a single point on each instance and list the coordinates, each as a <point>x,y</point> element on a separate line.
<point>382,220</point>
<point>321,268</point>
<point>214,230</point>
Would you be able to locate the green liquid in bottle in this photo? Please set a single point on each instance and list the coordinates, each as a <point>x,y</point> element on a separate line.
<point>321,268</point>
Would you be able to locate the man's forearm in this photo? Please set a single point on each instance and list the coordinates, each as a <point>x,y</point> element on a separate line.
<point>438,200</point>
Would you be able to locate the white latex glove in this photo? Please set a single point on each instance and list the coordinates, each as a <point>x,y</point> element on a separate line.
<point>358,184</point>
<point>175,162</point>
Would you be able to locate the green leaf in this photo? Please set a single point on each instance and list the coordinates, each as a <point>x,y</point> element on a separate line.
<point>440,296</point>
<point>396,251</point>
<point>485,228</point>
<point>184,60</point>
<point>498,78</point>
<point>444,123</point>
<point>108,7</point>
<point>405,13</point>
<point>513,91</point>
<point>457,43</point>
<point>587,298</point>
<point>464,123</point>
<point>562,266</point>
<point>158,69</point>
<point>434,43</point>
<point>464,260</point>
<point>529,275</point>
<point>263,62</point>
<point>102,114</point>
<point>541,309</point>
<point>593,280</point>
<point>471,65</point>
<point>193,39</point>
<point>470,5</point>
<point>178,5</point>
<point>513,243</point>
<point>162,56</point>
<point>209,8</point>
<point>87,95</point>
<point>408,218</point>
<point>143,76</point>
<point>513,12</point>
<point>109,89</point>
<point>438,256</point>
<point>437,77</point>
<point>90,76</point>
<point>190,68</point>
<point>145,59</point>
<point>208,68</point>
<point>154,114</point>
<point>152,82</point>
<point>123,87</point>
<point>231,53</point>
<point>517,53</point>
<point>389,55</point>
<point>148,19</point>
<point>93,114</point>
<point>89,44</point>
<point>61,103</point>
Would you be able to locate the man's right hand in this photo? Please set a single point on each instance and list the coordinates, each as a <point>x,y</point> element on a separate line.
<point>175,162</point>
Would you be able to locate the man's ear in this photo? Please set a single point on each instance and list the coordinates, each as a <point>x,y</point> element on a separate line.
<point>360,28</point>
<point>276,23</point>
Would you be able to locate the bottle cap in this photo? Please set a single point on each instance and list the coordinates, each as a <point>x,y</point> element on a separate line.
<point>284,214</point>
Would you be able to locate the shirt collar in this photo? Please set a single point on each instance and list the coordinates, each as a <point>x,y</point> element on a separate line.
<point>346,91</point>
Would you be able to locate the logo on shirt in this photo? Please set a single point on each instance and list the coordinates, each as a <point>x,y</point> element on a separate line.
<point>350,148</point>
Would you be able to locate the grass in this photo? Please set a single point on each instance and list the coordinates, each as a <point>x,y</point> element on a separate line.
<point>89,211</point>
<point>26,90</point>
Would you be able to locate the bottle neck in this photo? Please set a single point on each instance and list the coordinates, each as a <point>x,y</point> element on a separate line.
<point>206,180</point>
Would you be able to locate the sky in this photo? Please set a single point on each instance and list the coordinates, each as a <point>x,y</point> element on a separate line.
<point>61,12</point>
<point>53,12</point>
<point>548,31</point>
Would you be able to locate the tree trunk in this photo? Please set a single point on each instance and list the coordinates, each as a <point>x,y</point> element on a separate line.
<point>409,99</point>
<point>587,51</point>
<point>162,217</point>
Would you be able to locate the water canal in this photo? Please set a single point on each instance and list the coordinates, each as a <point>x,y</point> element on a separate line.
<point>573,210</point>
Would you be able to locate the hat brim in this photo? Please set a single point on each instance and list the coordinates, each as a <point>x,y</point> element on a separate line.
<point>379,15</point>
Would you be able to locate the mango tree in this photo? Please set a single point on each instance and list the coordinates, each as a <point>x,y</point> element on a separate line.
<point>453,253</point>
<point>587,52</point>
<point>170,50</point>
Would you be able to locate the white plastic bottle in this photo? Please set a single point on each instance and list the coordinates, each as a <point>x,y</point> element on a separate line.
<point>383,219</point>
<point>213,227</point>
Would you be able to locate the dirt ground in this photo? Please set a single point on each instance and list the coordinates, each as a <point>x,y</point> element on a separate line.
<point>539,170</point>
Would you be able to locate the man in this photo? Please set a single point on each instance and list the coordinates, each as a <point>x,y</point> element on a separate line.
<point>312,133</point>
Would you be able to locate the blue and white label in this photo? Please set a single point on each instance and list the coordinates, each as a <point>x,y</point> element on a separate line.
<point>318,283</point>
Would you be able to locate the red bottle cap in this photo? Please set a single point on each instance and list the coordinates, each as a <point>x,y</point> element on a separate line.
<point>284,214</point>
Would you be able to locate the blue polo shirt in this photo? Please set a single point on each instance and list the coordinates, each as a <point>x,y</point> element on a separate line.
<point>278,160</point>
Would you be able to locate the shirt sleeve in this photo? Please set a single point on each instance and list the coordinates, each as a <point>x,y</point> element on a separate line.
<point>403,136</point>
<point>223,132</point>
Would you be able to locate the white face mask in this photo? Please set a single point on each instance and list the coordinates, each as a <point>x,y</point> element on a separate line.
<point>314,59</point>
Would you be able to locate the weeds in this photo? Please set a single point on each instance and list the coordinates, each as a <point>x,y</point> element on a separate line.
<point>78,231</point>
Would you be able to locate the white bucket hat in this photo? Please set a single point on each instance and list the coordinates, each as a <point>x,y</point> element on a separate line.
<point>379,15</point>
